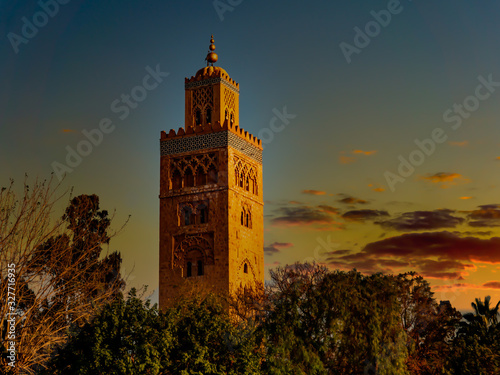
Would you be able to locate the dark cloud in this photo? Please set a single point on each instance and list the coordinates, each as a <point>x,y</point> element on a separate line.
<point>485,216</point>
<point>422,220</point>
<point>276,246</point>
<point>363,215</point>
<point>352,200</point>
<point>487,233</point>
<point>492,285</point>
<point>441,255</point>
<point>329,209</point>
<point>488,285</point>
<point>339,252</point>
<point>445,245</point>
<point>366,264</point>
<point>442,269</point>
<point>303,215</point>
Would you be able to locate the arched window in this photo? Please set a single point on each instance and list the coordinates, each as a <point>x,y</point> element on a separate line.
<point>254,186</point>
<point>247,224</point>
<point>176,180</point>
<point>188,177</point>
<point>203,213</point>
<point>242,216</point>
<point>212,174</point>
<point>245,268</point>
<point>209,115</point>
<point>226,117</point>
<point>187,213</point>
<point>232,119</point>
<point>247,184</point>
<point>198,117</point>
<point>241,179</point>
<point>201,176</point>
<point>194,258</point>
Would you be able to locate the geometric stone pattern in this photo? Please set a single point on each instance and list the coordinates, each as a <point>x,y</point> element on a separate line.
<point>229,98</point>
<point>203,97</point>
<point>211,81</point>
<point>204,242</point>
<point>211,140</point>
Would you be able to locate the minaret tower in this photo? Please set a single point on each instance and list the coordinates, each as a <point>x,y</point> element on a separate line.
<point>211,205</point>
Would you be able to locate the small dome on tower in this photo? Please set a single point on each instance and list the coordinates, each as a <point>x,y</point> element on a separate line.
<point>211,71</point>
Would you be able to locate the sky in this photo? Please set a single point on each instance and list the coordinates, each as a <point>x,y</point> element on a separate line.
<point>386,156</point>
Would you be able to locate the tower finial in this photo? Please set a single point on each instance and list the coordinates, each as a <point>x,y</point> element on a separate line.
<point>211,56</point>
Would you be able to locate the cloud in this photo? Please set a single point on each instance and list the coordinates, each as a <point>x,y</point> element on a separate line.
<point>485,216</point>
<point>377,189</point>
<point>346,159</point>
<point>367,153</point>
<point>459,144</point>
<point>313,192</point>
<point>303,215</point>
<point>488,285</point>
<point>339,252</point>
<point>422,220</point>
<point>444,244</point>
<point>475,233</point>
<point>352,200</point>
<point>497,158</point>
<point>276,246</point>
<point>443,269</point>
<point>365,264</point>
<point>438,255</point>
<point>445,180</point>
<point>328,209</point>
<point>343,159</point>
<point>464,198</point>
<point>363,215</point>
<point>492,285</point>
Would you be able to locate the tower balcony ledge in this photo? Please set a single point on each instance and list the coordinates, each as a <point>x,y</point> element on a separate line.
<point>211,128</point>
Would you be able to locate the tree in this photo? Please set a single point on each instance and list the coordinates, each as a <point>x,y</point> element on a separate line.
<point>61,276</point>
<point>130,337</point>
<point>430,327</point>
<point>127,337</point>
<point>323,322</point>
<point>476,349</point>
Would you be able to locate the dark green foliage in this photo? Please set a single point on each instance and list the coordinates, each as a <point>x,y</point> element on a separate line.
<point>476,349</point>
<point>311,321</point>
<point>322,322</point>
<point>127,337</point>
<point>207,342</point>
<point>131,337</point>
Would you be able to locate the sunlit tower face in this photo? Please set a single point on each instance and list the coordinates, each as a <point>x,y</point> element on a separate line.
<point>211,204</point>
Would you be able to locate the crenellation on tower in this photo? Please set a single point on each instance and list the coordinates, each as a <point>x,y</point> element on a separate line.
<point>211,202</point>
<point>212,128</point>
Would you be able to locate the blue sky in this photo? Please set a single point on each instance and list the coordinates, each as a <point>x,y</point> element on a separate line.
<point>325,174</point>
